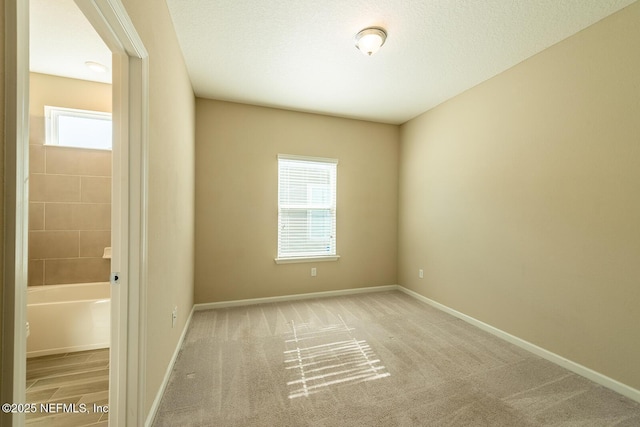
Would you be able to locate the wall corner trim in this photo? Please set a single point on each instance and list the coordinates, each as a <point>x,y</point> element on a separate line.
<point>572,366</point>
<point>165,381</point>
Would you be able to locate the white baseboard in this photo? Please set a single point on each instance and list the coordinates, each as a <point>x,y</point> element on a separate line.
<point>253,301</point>
<point>594,376</point>
<point>156,402</point>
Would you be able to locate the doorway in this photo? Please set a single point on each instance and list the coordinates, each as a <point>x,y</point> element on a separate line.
<point>70,151</point>
<point>128,266</point>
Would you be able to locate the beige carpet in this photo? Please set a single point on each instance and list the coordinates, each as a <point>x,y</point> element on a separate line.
<point>378,359</point>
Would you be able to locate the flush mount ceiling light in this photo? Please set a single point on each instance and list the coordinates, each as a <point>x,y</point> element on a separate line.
<point>370,40</point>
<point>96,66</point>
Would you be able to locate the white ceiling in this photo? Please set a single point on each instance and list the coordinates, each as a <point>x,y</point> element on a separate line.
<point>62,40</point>
<point>299,54</point>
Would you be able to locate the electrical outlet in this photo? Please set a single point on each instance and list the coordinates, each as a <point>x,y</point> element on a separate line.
<point>421,274</point>
<point>174,316</point>
<point>313,272</point>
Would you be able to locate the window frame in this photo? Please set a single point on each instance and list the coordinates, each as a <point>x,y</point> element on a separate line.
<point>309,207</point>
<point>52,115</point>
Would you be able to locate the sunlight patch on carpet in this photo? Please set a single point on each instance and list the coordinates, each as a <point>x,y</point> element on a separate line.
<point>320,357</point>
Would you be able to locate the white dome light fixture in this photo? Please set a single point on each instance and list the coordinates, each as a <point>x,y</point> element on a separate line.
<point>96,67</point>
<point>370,40</point>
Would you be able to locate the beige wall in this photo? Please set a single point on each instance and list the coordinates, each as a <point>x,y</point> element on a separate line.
<point>236,201</point>
<point>64,92</point>
<point>69,190</point>
<point>520,199</point>
<point>171,187</point>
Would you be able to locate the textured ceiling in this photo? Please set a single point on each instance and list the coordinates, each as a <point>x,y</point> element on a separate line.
<point>62,40</point>
<point>299,54</point>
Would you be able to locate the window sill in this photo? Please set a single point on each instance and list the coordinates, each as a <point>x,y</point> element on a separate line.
<point>77,147</point>
<point>306,259</point>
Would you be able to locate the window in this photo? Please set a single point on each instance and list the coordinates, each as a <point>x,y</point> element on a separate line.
<point>306,209</point>
<point>77,128</point>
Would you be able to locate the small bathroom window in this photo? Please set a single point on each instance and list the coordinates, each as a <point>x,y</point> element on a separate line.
<point>69,127</point>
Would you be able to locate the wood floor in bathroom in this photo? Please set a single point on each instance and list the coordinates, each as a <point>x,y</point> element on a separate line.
<point>78,380</point>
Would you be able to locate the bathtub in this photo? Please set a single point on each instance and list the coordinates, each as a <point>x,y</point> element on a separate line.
<point>67,318</point>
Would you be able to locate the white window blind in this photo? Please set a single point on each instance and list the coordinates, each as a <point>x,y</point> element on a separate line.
<point>306,207</point>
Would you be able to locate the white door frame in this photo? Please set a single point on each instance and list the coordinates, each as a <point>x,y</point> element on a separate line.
<point>129,207</point>
<point>16,199</point>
